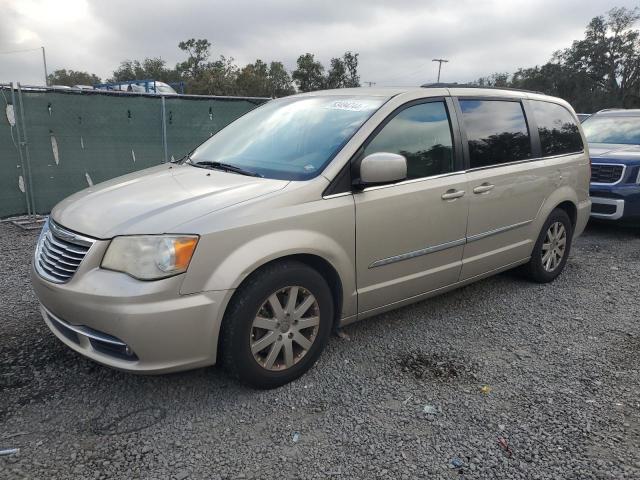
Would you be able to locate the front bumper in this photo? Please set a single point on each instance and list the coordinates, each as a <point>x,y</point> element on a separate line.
<point>144,327</point>
<point>617,202</point>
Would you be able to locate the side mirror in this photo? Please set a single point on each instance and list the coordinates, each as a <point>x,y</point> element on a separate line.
<point>382,167</point>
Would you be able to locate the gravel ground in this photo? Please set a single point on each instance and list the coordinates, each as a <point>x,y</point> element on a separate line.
<point>518,380</point>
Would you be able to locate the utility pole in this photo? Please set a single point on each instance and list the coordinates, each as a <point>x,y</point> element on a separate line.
<point>44,61</point>
<point>370,84</point>
<point>440,62</point>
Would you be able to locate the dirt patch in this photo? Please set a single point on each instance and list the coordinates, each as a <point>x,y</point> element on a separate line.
<point>433,365</point>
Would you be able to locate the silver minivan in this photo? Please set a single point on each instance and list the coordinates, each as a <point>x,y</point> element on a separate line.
<point>306,214</point>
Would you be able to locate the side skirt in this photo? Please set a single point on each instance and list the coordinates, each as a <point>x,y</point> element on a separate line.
<point>429,294</point>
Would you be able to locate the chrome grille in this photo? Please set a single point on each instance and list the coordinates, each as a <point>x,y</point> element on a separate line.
<point>60,252</point>
<point>606,173</point>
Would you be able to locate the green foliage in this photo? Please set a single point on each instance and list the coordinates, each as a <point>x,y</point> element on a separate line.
<point>198,54</point>
<point>72,77</point>
<point>343,73</point>
<point>223,77</point>
<point>258,79</point>
<point>149,68</point>
<point>217,78</point>
<point>310,73</point>
<point>280,81</point>
<point>600,71</point>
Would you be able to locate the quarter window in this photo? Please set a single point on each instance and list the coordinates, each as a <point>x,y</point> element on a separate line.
<point>422,134</point>
<point>558,130</point>
<point>496,130</point>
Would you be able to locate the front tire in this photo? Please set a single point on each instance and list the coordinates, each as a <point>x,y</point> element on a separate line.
<point>552,248</point>
<point>277,325</point>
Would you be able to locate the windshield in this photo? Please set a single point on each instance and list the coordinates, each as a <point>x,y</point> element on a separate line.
<point>162,88</point>
<point>612,130</point>
<point>288,139</point>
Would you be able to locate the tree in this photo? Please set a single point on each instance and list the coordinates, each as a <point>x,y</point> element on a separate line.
<point>310,74</point>
<point>350,61</point>
<point>218,78</point>
<point>72,77</point>
<point>256,79</point>
<point>609,55</point>
<point>149,68</point>
<point>494,80</point>
<point>337,74</point>
<point>280,82</point>
<point>198,52</point>
<point>601,70</point>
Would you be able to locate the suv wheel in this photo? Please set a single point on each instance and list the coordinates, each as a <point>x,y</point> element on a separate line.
<point>277,325</point>
<point>552,248</point>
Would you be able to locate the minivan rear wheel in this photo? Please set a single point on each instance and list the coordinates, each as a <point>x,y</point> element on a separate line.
<point>552,248</point>
<point>277,325</point>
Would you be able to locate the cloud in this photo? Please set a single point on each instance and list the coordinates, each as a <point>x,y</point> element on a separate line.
<point>396,40</point>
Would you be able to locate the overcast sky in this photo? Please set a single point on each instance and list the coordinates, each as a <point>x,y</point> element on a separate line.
<point>396,39</point>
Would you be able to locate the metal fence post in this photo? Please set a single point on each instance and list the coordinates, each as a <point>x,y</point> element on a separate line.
<point>164,130</point>
<point>26,150</point>
<point>23,170</point>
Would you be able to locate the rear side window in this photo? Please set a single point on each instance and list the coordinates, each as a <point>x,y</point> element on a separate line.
<point>496,130</point>
<point>422,134</point>
<point>558,130</point>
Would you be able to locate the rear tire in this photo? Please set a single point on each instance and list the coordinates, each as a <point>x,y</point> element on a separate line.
<point>277,325</point>
<point>552,248</point>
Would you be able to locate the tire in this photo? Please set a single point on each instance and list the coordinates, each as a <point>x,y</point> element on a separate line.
<point>253,321</point>
<point>541,268</point>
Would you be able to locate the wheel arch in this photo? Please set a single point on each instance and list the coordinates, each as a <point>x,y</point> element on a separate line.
<point>571,209</point>
<point>564,198</point>
<point>314,261</point>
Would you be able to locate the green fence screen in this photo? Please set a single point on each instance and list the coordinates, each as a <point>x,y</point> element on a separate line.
<point>71,140</point>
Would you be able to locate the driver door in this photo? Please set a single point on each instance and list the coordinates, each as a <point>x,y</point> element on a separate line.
<point>410,235</point>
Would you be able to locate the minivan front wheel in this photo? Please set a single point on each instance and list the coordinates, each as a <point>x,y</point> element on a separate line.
<point>552,247</point>
<point>277,325</point>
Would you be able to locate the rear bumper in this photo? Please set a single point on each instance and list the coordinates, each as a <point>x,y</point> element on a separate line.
<point>147,329</point>
<point>582,217</point>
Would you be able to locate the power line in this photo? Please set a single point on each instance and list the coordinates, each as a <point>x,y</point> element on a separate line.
<point>405,76</point>
<point>20,51</point>
<point>44,59</point>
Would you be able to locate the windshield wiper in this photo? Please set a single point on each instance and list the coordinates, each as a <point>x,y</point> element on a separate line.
<point>225,167</point>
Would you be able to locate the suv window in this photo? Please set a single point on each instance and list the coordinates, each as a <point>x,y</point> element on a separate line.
<point>558,130</point>
<point>422,134</point>
<point>496,130</point>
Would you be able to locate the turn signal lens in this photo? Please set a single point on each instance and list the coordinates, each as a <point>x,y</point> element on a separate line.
<point>150,257</point>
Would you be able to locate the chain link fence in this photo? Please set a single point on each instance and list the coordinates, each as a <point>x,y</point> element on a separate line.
<point>55,142</point>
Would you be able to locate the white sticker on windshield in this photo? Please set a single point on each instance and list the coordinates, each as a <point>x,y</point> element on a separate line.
<point>347,105</point>
<point>308,168</point>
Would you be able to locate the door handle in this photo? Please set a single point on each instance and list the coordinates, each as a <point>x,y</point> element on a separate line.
<point>484,188</point>
<point>452,194</point>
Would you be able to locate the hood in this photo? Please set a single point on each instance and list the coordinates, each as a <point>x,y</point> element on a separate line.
<point>620,153</point>
<point>157,199</point>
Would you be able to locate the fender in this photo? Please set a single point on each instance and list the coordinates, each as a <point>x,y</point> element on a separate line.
<point>246,257</point>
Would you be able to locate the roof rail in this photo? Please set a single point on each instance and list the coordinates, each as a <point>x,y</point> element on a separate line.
<point>469,85</point>
<point>611,110</point>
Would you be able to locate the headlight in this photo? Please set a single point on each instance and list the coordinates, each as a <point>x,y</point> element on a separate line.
<point>150,257</point>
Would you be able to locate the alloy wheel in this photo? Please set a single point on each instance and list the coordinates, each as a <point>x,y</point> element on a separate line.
<point>285,328</point>
<point>554,246</point>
